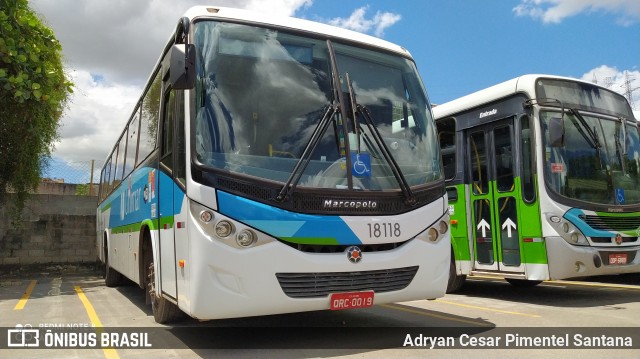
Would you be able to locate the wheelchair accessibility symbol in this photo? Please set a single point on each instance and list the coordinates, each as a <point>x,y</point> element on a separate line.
<point>620,195</point>
<point>361,164</point>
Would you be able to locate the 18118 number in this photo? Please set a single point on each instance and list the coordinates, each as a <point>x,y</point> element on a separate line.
<point>384,230</point>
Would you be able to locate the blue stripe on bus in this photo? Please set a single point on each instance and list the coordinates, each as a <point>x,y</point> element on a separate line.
<point>137,198</point>
<point>574,214</point>
<point>284,224</point>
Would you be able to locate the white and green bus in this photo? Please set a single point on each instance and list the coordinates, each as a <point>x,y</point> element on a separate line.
<point>542,174</point>
<point>275,165</point>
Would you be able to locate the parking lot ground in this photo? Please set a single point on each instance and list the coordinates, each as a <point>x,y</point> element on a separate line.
<point>486,307</point>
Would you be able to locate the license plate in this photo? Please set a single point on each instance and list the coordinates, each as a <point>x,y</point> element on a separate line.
<point>351,300</point>
<point>617,258</point>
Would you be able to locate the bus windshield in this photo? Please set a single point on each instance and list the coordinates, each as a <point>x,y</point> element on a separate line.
<point>598,162</point>
<point>261,94</point>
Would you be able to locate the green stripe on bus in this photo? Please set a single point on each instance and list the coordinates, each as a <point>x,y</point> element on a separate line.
<point>106,207</point>
<point>168,220</point>
<point>317,241</point>
<point>459,239</point>
<point>534,253</point>
<point>620,215</point>
<point>135,227</point>
<point>530,226</point>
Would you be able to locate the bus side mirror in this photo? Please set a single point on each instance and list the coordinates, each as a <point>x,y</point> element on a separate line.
<point>182,71</point>
<point>556,132</point>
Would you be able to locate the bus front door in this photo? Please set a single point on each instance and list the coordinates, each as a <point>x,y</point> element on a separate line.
<point>168,197</point>
<point>493,197</point>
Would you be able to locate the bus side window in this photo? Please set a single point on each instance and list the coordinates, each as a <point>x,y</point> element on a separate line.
<point>447,139</point>
<point>180,145</point>
<point>452,194</point>
<point>478,160</point>
<point>528,185</point>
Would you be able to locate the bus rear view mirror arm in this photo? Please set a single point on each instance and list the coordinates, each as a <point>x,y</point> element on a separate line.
<point>182,72</point>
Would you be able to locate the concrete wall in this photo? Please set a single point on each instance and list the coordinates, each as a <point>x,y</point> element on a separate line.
<point>67,188</point>
<point>54,229</point>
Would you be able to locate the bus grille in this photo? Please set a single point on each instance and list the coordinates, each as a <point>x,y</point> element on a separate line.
<point>316,285</point>
<point>612,240</point>
<point>329,248</point>
<point>612,223</point>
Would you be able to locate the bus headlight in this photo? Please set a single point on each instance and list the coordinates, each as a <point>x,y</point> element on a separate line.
<point>574,237</point>
<point>206,216</point>
<point>567,230</point>
<point>432,234</point>
<point>224,229</point>
<point>245,238</point>
<point>437,231</point>
<point>443,227</point>
<point>215,227</point>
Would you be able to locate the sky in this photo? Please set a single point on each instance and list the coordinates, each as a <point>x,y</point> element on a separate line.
<point>460,46</point>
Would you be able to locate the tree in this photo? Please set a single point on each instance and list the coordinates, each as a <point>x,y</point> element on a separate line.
<point>34,91</point>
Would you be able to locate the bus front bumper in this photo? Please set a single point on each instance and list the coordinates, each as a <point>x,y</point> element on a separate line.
<point>569,261</point>
<point>245,284</point>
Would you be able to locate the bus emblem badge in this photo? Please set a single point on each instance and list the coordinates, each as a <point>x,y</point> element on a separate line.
<point>618,239</point>
<point>354,254</point>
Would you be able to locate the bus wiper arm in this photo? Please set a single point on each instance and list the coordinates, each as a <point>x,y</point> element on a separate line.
<point>386,153</point>
<point>377,137</point>
<point>623,121</point>
<point>593,136</point>
<point>305,158</point>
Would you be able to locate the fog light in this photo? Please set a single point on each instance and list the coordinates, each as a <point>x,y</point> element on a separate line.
<point>245,238</point>
<point>574,237</point>
<point>224,228</point>
<point>443,227</point>
<point>433,234</point>
<point>206,216</point>
<point>565,227</point>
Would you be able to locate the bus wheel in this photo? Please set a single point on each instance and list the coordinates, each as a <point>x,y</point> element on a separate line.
<point>163,310</point>
<point>112,278</point>
<point>455,281</point>
<point>523,283</point>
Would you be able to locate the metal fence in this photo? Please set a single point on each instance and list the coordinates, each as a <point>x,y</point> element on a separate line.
<point>70,177</point>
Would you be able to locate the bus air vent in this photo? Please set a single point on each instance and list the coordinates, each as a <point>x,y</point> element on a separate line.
<point>613,223</point>
<point>317,285</point>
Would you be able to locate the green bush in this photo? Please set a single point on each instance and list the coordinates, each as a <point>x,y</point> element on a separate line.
<point>34,90</point>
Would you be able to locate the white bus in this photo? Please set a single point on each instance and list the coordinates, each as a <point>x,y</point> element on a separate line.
<point>543,177</point>
<point>275,165</point>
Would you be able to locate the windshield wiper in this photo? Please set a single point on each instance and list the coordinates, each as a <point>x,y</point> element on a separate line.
<point>593,139</point>
<point>623,122</point>
<point>305,158</point>
<point>339,99</point>
<point>336,106</point>
<point>377,137</point>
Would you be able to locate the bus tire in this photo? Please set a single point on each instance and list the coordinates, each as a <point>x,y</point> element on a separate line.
<point>523,283</point>
<point>455,281</point>
<point>112,278</point>
<point>163,310</point>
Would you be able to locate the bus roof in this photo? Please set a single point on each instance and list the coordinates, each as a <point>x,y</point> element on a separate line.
<point>223,13</point>
<point>523,84</point>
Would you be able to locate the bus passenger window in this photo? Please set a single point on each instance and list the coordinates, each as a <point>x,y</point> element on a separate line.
<point>528,185</point>
<point>452,194</point>
<point>504,158</point>
<point>478,161</point>
<point>447,139</point>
